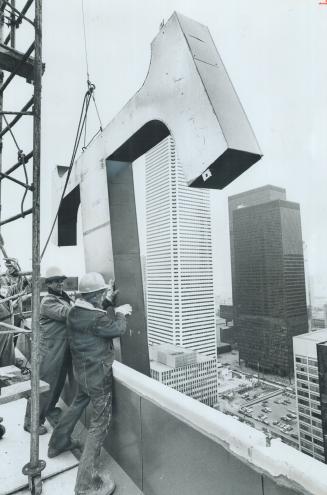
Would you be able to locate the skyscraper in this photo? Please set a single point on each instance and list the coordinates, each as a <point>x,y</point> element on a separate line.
<point>268,278</point>
<point>249,198</point>
<point>310,369</point>
<point>180,296</point>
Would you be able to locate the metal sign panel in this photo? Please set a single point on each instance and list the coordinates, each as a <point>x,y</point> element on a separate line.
<point>188,94</point>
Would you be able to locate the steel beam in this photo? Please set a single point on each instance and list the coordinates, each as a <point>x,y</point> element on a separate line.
<point>18,164</point>
<point>14,61</point>
<point>16,217</point>
<point>19,115</point>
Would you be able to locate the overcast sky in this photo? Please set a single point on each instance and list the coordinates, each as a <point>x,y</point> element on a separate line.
<point>274,52</point>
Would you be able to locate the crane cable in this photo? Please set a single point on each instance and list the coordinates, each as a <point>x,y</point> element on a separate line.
<point>87,63</point>
<point>81,126</point>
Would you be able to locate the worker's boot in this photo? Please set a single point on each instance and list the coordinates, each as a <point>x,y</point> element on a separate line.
<point>104,485</point>
<point>71,445</point>
<point>42,429</point>
<point>53,416</point>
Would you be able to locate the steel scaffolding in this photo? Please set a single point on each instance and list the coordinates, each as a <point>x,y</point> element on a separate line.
<point>26,65</point>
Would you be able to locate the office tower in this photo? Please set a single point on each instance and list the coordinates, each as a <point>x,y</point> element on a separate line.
<point>249,198</point>
<point>268,280</point>
<point>310,369</point>
<point>191,373</point>
<point>180,296</point>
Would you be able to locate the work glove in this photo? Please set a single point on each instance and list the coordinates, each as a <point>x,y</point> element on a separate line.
<point>125,309</point>
<point>112,293</point>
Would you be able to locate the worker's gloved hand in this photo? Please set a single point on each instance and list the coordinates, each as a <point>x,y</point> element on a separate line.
<point>112,293</point>
<point>125,309</point>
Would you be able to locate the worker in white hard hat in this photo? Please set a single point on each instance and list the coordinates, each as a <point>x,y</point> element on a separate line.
<point>54,348</point>
<point>93,322</point>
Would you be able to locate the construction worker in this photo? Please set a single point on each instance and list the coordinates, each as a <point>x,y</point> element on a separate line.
<point>92,322</point>
<point>7,349</point>
<point>13,277</point>
<point>54,348</point>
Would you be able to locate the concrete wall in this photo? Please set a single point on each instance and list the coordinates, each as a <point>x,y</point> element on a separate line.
<point>170,444</point>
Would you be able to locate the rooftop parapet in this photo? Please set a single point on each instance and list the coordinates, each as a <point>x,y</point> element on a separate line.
<point>170,444</point>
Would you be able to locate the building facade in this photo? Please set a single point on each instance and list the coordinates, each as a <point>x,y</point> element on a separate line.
<point>180,296</point>
<point>185,370</point>
<point>268,282</point>
<point>249,198</point>
<point>310,369</point>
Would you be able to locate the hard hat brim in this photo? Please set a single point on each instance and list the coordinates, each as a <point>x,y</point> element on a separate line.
<point>89,291</point>
<point>54,278</point>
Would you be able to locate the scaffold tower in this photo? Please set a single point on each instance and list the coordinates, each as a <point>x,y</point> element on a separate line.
<point>24,65</point>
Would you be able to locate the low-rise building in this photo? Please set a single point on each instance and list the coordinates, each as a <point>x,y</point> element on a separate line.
<point>192,373</point>
<point>310,370</point>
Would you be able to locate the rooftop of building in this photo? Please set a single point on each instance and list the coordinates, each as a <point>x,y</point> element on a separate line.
<point>317,336</point>
<point>173,350</point>
<point>257,189</point>
<point>281,203</point>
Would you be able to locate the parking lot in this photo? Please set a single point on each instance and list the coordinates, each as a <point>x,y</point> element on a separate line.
<point>267,407</point>
<point>275,416</point>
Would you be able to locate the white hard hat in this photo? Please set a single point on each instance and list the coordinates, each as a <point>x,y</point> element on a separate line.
<point>53,273</point>
<point>91,282</point>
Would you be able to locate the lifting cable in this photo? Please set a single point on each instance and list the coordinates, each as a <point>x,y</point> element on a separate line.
<point>87,63</point>
<point>81,127</point>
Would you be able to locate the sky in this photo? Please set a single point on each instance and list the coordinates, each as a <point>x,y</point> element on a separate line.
<point>274,53</point>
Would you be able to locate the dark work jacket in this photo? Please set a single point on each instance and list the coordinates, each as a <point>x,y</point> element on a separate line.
<point>91,331</point>
<point>53,314</point>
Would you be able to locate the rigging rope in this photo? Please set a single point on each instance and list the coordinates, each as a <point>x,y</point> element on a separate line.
<point>85,43</point>
<point>21,159</point>
<point>79,132</point>
<point>82,126</point>
<point>87,67</point>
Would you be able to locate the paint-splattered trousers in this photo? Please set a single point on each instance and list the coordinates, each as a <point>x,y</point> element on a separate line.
<point>97,431</point>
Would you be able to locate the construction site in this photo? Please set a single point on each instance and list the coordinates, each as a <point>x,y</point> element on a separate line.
<point>160,441</point>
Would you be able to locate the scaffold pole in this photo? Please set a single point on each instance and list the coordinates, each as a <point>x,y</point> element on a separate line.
<point>36,465</point>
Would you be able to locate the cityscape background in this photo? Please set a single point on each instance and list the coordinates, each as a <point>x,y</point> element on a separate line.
<point>274,54</point>
<point>234,281</point>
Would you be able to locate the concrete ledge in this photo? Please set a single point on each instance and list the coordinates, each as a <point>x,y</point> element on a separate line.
<point>290,470</point>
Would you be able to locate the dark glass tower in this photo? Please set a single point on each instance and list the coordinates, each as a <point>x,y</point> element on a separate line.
<point>268,278</point>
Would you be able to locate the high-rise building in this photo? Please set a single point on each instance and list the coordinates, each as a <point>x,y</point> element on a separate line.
<point>249,198</point>
<point>268,279</point>
<point>180,296</point>
<point>185,370</point>
<point>310,369</point>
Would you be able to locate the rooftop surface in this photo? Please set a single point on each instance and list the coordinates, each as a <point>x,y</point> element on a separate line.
<point>155,430</point>
<point>59,475</point>
<point>172,350</point>
<point>316,336</point>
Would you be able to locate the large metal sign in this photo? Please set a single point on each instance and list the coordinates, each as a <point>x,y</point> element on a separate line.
<point>188,94</point>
